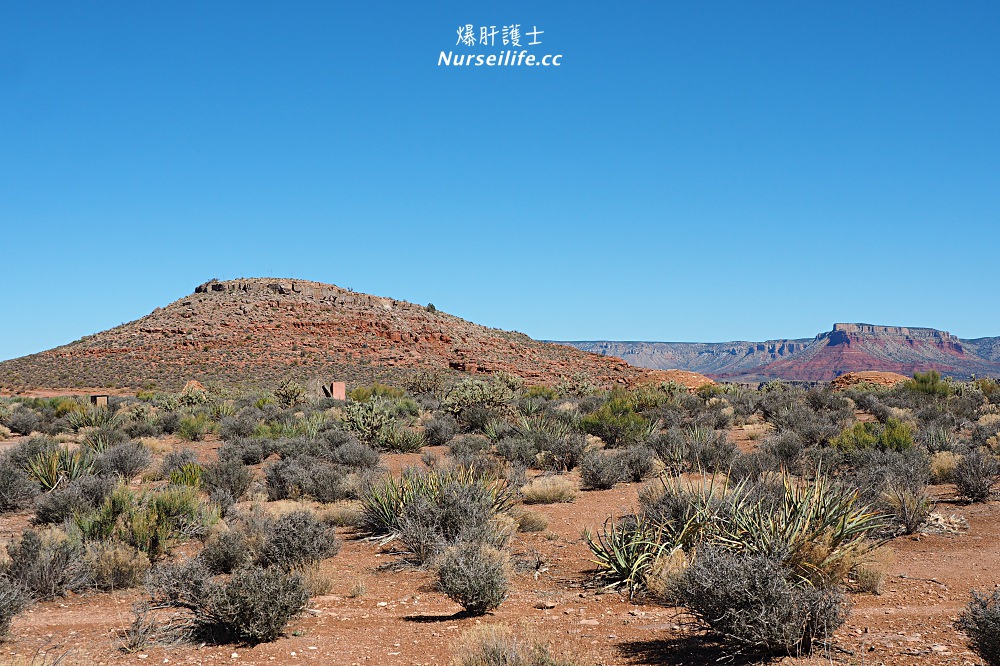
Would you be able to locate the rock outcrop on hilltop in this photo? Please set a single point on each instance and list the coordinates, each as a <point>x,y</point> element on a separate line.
<point>873,377</point>
<point>259,331</point>
<point>846,348</point>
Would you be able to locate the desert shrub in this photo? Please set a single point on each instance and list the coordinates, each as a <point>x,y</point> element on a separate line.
<point>298,538</point>
<point>980,620</point>
<point>228,475</point>
<point>236,427</point>
<point>47,564</point>
<point>694,449</point>
<point>457,512</point>
<point>521,450</point>
<point>895,482</point>
<point>306,476</point>
<point>600,471</point>
<point>151,522</point>
<point>226,551</point>
<point>549,490</point>
<point>142,428</point>
<point>376,390</point>
<point>23,421</point>
<point>16,489</point>
<point>756,605</point>
<point>100,439</point>
<point>440,430</point>
<point>353,453</point>
<point>893,435</point>
<point>176,460</point>
<point>193,427</point>
<point>468,446</point>
<point>384,501</point>
<point>475,576</point>
<point>248,450</point>
<point>254,605</point>
<point>169,422</point>
<point>615,422</point>
<point>496,645</point>
<point>127,460</point>
<point>79,496</point>
<point>638,462</point>
<point>929,383</point>
<point>14,599</point>
<point>111,565</point>
<point>976,474</point>
<point>560,453</point>
<point>785,447</point>
<point>908,506</point>
<point>752,466</point>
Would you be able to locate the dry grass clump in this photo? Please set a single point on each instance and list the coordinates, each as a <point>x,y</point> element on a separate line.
<point>342,514</point>
<point>531,521</point>
<point>498,645</point>
<point>943,465</point>
<point>316,581</point>
<point>869,573</point>
<point>549,490</point>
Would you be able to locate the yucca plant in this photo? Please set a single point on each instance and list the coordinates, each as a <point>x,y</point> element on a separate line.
<point>60,465</point>
<point>93,416</point>
<point>818,529</point>
<point>188,474</point>
<point>541,424</point>
<point>624,550</point>
<point>496,428</point>
<point>403,440</point>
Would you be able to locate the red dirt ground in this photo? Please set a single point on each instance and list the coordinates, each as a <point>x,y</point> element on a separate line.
<point>400,619</point>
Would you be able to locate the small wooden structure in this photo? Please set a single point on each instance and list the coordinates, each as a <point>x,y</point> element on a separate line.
<point>99,400</point>
<point>335,390</point>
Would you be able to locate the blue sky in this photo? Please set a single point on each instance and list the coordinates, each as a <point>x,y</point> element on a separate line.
<point>697,171</point>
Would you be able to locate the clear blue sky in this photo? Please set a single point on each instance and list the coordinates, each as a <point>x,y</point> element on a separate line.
<point>696,171</point>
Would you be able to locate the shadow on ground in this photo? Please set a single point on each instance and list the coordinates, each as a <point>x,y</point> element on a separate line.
<point>683,651</point>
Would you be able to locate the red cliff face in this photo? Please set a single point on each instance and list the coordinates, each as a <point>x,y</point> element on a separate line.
<point>860,347</point>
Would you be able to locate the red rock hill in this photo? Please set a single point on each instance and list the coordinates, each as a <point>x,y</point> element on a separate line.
<point>258,331</point>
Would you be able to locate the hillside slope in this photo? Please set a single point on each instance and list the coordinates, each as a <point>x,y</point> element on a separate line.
<point>261,330</point>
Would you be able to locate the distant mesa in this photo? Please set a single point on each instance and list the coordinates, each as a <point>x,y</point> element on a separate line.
<point>846,349</point>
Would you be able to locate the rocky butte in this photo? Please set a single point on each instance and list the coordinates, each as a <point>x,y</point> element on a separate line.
<point>262,330</point>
